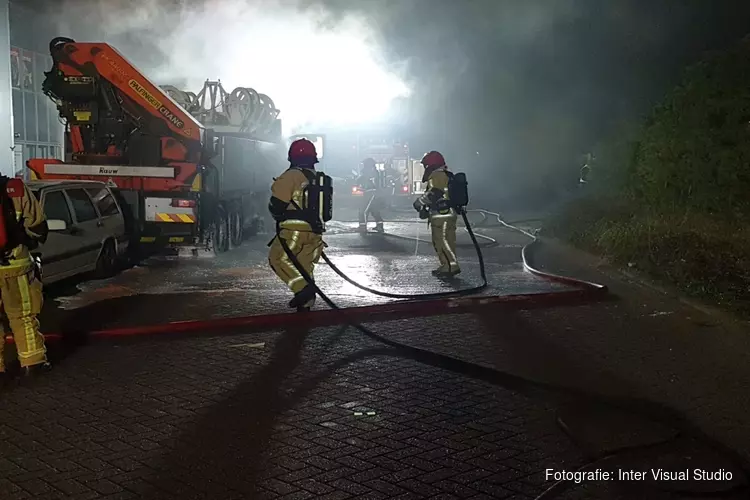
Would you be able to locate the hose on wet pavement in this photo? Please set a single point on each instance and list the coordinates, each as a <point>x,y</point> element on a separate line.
<point>423,296</point>
<point>634,406</point>
<point>491,242</point>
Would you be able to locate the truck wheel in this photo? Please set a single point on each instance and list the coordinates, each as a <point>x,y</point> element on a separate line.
<point>235,229</point>
<point>221,234</point>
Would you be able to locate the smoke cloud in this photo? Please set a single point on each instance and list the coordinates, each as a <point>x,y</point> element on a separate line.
<point>319,67</point>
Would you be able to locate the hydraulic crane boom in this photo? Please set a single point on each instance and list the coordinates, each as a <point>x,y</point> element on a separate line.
<point>119,123</point>
<point>191,168</point>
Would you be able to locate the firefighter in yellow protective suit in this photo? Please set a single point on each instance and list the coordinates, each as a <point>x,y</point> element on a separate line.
<point>372,203</point>
<point>435,206</point>
<point>302,235</point>
<point>24,227</point>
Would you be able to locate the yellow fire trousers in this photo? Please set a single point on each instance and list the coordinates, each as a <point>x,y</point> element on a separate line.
<point>444,240</point>
<point>21,301</point>
<point>306,246</point>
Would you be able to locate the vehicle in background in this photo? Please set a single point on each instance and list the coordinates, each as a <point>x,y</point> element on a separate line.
<point>416,173</point>
<point>391,158</point>
<point>86,229</point>
<point>193,170</point>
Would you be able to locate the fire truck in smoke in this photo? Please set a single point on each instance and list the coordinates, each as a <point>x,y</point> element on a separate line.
<point>193,170</point>
<point>346,149</point>
<point>400,174</point>
<point>391,159</point>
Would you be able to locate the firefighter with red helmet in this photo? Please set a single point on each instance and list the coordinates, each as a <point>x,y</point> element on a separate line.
<point>22,227</point>
<point>435,206</point>
<point>372,203</point>
<point>302,233</point>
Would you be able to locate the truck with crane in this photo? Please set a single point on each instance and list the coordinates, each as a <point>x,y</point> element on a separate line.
<point>193,170</point>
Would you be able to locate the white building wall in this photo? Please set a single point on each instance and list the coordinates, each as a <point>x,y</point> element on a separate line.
<point>7,157</point>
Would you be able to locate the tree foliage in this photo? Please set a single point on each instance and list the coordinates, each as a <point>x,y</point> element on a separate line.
<point>694,152</point>
<point>672,197</point>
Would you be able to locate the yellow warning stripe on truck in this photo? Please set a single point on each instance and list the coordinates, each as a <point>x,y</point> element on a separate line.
<point>172,239</point>
<point>185,218</point>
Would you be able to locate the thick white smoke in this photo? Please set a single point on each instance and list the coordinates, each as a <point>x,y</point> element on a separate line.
<point>318,68</point>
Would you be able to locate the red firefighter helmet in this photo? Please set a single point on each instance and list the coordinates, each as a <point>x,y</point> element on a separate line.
<point>302,153</point>
<point>431,161</point>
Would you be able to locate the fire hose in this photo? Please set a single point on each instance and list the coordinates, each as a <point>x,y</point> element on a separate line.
<point>424,296</point>
<point>491,242</point>
<point>668,417</point>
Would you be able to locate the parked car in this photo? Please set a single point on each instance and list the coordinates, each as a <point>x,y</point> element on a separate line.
<point>86,229</point>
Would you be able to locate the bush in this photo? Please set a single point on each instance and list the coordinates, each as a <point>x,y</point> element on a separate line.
<point>703,258</point>
<point>673,198</point>
<point>694,152</point>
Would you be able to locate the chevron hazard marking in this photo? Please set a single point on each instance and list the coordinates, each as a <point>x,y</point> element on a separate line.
<point>184,218</point>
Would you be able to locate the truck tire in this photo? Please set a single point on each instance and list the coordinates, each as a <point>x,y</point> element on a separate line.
<point>220,233</point>
<point>235,229</point>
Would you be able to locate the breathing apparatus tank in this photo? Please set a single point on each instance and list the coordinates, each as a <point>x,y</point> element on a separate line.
<point>458,190</point>
<point>318,198</point>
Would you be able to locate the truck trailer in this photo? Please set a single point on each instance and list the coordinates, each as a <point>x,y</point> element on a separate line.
<point>193,170</point>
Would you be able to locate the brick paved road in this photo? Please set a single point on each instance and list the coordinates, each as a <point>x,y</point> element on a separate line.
<point>327,414</point>
<point>230,418</point>
<point>668,351</point>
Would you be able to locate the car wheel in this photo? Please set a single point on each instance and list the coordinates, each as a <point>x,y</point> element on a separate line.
<point>106,264</point>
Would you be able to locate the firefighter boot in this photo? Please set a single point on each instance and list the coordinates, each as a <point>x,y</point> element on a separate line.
<point>295,302</point>
<point>36,370</point>
<point>379,227</point>
<point>302,297</point>
<point>305,299</point>
<point>449,270</point>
